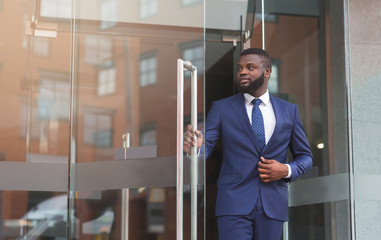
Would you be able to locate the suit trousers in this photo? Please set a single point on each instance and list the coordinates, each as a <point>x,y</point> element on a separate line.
<point>254,226</point>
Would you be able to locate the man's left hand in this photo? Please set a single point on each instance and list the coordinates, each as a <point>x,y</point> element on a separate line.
<point>271,170</point>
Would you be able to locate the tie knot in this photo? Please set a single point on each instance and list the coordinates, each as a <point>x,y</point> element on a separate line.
<point>256,102</point>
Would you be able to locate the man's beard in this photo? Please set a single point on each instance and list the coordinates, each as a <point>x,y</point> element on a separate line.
<point>253,86</point>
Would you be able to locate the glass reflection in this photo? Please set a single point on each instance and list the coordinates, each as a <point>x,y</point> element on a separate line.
<point>35,80</point>
<point>124,74</point>
<point>42,216</point>
<point>299,40</point>
<point>125,82</point>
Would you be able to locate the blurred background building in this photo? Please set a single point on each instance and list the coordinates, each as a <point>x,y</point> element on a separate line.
<point>75,76</point>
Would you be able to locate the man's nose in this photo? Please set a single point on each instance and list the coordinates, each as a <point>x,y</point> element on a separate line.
<point>242,72</point>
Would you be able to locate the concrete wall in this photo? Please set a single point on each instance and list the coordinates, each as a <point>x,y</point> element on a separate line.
<point>364,36</point>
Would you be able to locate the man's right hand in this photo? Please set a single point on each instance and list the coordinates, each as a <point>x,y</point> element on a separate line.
<point>189,140</point>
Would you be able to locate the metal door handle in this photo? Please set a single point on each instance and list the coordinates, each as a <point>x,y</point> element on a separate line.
<point>125,194</point>
<point>187,66</point>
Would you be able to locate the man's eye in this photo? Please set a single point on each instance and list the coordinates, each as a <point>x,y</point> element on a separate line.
<point>239,69</point>
<point>251,68</point>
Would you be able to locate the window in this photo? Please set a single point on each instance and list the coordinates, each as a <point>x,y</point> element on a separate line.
<point>41,46</point>
<point>56,8</point>
<point>50,106</point>
<point>147,136</point>
<point>106,81</point>
<point>24,42</point>
<point>148,8</point>
<point>98,130</point>
<point>190,2</point>
<point>53,98</point>
<point>98,49</point>
<point>148,66</point>
<point>272,18</point>
<point>36,126</point>
<point>273,84</point>
<point>194,54</point>
<point>108,13</point>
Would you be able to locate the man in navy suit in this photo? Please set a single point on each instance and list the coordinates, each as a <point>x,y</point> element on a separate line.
<point>252,197</point>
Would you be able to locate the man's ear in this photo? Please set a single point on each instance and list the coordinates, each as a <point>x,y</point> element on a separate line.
<point>268,72</point>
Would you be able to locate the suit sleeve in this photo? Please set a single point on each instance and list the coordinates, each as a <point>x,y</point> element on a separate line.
<point>212,129</point>
<point>300,149</point>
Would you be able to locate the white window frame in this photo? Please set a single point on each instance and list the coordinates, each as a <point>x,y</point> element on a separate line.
<point>148,69</point>
<point>108,13</point>
<point>194,52</point>
<point>190,2</point>
<point>98,49</point>
<point>148,135</point>
<point>57,93</point>
<point>106,81</point>
<point>148,8</point>
<point>99,125</point>
<point>56,9</point>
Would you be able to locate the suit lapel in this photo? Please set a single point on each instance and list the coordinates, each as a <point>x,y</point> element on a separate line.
<point>278,117</point>
<point>239,108</point>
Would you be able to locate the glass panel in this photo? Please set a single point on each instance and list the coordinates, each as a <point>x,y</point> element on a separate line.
<point>35,76</point>
<point>35,215</point>
<point>125,56</point>
<point>223,45</point>
<point>35,42</point>
<point>305,40</point>
<point>314,221</point>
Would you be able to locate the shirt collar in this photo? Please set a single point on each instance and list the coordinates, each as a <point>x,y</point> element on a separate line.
<point>265,98</point>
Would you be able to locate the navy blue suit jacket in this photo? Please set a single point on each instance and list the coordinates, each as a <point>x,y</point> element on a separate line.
<point>239,184</point>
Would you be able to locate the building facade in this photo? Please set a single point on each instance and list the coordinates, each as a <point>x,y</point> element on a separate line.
<point>89,125</point>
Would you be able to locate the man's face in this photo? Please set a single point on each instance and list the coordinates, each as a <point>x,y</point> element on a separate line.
<point>252,74</point>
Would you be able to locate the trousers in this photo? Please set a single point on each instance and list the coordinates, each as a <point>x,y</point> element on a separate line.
<point>254,226</point>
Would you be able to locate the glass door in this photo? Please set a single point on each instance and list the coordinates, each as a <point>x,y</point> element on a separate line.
<point>129,104</point>
<point>92,113</point>
<point>306,41</point>
<point>35,42</point>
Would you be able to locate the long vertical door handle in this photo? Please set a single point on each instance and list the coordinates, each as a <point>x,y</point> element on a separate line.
<point>125,194</point>
<point>181,66</point>
<point>180,160</point>
<point>194,161</point>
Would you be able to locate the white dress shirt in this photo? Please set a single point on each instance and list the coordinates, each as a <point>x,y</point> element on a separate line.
<point>268,115</point>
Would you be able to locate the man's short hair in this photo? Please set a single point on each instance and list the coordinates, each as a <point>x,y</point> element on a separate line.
<point>260,52</point>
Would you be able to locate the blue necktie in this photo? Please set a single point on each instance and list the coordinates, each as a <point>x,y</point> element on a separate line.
<point>257,124</point>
